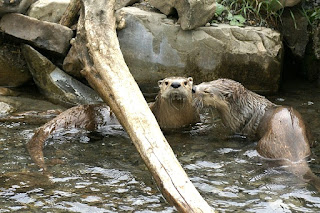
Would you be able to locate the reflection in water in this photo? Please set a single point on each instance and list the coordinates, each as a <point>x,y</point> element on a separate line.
<point>106,174</point>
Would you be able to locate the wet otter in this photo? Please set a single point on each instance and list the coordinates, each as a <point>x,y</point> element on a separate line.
<point>172,108</point>
<point>280,130</point>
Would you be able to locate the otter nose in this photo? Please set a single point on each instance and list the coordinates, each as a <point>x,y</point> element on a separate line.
<point>194,89</point>
<point>175,84</point>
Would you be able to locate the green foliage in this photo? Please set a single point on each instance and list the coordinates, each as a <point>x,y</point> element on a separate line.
<point>261,12</point>
<point>294,19</point>
<point>219,9</point>
<point>312,13</point>
<point>236,20</point>
<point>251,12</point>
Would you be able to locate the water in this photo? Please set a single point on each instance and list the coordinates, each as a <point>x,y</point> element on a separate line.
<point>92,173</point>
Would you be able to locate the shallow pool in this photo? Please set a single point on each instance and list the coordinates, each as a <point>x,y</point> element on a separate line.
<point>94,173</point>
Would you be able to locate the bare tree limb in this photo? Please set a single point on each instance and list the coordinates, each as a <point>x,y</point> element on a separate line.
<point>69,16</point>
<point>107,72</point>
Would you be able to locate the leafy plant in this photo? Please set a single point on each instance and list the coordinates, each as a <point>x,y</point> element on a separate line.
<point>251,11</point>
<point>236,20</point>
<point>311,13</point>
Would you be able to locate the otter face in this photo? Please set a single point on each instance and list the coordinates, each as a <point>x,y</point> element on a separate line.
<point>212,94</point>
<point>176,89</point>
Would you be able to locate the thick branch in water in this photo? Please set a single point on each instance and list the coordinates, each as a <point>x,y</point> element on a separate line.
<point>107,72</point>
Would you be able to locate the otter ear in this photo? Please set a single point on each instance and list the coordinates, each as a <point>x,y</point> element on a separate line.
<point>160,82</point>
<point>190,79</point>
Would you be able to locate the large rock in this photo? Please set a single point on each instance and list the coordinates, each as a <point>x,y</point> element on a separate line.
<point>55,84</point>
<point>14,6</point>
<point>154,48</point>
<point>192,13</point>
<point>49,36</point>
<point>50,11</point>
<point>14,71</point>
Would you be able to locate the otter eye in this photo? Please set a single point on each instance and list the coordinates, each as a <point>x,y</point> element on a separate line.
<point>206,91</point>
<point>185,83</point>
<point>166,82</point>
<point>227,95</point>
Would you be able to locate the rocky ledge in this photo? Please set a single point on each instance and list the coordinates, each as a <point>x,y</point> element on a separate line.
<point>154,47</point>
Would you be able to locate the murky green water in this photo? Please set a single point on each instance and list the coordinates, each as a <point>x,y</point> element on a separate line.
<point>106,174</point>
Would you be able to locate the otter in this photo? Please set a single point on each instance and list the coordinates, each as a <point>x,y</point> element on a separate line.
<point>280,130</point>
<point>173,108</point>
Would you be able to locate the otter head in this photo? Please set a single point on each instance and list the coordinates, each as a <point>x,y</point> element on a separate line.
<point>176,91</point>
<point>239,108</point>
<point>219,93</point>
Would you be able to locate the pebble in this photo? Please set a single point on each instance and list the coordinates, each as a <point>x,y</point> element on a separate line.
<point>5,108</point>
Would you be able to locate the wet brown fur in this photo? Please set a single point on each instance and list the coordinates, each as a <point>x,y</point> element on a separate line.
<point>280,130</point>
<point>173,109</point>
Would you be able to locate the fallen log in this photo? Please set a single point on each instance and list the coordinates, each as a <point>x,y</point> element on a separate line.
<point>107,72</point>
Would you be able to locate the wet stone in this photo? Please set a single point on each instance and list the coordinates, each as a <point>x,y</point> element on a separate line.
<point>55,84</point>
<point>5,108</point>
<point>45,35</point>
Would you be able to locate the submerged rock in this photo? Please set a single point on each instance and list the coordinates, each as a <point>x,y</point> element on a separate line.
<point>55,84</point>
<point>24,180</point>
<point>45,35</point>
<point>192,13</point>
<point>28,109</point>
<point>155,48</point>
<point>14,71</point>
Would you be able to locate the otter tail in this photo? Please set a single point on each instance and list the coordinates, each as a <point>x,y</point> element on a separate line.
<point>302,170</point>
<point>81,116</point>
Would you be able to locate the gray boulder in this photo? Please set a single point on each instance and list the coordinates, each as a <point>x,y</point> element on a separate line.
<point>50,11</point>
<point>49,36</point>
<point>192,13</point>
<point>55,84</point>
<point>155,48</point>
